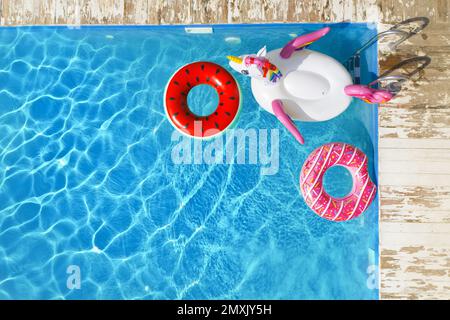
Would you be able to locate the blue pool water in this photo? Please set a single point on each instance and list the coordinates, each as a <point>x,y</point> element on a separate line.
<point>88,183</point>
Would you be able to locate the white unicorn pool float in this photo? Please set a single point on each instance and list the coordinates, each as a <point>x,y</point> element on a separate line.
<point>295,83</point>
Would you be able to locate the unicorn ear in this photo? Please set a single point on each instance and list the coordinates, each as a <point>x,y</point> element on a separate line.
<point>262,52</point>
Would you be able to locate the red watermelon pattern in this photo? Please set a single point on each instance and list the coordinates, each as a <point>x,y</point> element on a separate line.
<point>183,81</point>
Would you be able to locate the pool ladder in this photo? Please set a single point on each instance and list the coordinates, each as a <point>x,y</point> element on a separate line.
<point>354,62</point>
<point>391,80</point>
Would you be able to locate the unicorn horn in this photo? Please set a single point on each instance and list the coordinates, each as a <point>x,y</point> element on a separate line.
<point>235,59</point>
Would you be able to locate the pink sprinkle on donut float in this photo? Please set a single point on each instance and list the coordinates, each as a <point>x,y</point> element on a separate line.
<point>311,182</point>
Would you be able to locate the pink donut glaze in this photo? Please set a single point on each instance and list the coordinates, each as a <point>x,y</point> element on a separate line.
<point>311,182</point>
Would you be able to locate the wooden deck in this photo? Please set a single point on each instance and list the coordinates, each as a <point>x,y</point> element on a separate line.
<point>414,128</point>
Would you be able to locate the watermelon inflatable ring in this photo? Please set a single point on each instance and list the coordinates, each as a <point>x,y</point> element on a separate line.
<point>177,90</point>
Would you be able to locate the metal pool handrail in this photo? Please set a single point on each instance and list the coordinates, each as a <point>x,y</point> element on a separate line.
<point>353,62</point>
<point>404,35</point>
<point>396,30</point>
<point>395,83</point>
<point>421,61</point>
<point>396,80</point>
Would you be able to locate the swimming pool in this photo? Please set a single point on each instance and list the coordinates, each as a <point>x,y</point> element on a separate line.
<point>92,205</point>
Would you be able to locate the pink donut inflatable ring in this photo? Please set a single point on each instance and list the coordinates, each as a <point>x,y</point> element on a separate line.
<point>311,182</point>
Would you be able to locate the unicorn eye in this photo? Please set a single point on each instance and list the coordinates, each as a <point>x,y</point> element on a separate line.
<point>244,72</point>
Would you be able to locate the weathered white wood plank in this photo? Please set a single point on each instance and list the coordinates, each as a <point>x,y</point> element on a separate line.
<point>410,198</point>
<point>415,290</point>
<point>413,143</point>
<point>416,123</point>
<point>187,12</point>
<point>400,227</point>
<point>413,166</point>
<point>429,240</point>
<point>246,11</point>
<point>27,12</point>
<point>43,11</point>
<point>170,12</point>
<point>414,215</point>
<point>217,11</point>
<point>67,12</point>
<point>414,154</point>
<point>395,10</point>
<point>18,12</point>
<point>415,272</point>
<point>101,11</point>
<point>135,12</point>
<point>414,179</point>
<point>209,11</point>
